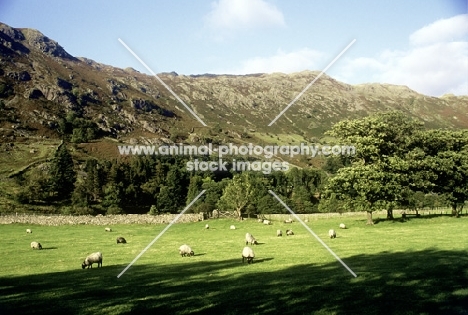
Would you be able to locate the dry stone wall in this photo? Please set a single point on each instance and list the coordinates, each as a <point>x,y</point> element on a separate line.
<point>99,219</point>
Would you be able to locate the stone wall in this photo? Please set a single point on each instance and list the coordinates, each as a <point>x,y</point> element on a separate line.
<point>99,219</point>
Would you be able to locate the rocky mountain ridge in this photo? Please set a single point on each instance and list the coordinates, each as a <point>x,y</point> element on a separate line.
<point>41,85</point>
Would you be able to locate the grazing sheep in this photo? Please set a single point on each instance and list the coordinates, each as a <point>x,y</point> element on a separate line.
<point>279,233</point>
<point>207,226</point>
<point>289,232</point>
<point>232,227</point>
<point>120,239</point>
<point>248,253</point>
<point>36,245</point>
<point>259,220</point>
<point>342,226</point>
<point>332,233</point>
<point>28,231</point>
<point>185,250</point>
<point>91,259</point>
<point>108,229</point>
<point>250,239</point>
<point>306,220</point>
<point>267,222</point>
<point>288,221</point>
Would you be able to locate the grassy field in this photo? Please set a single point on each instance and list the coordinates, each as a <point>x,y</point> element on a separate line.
<point>419,266</point>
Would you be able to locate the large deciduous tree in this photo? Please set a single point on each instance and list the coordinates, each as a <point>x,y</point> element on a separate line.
<point>238,193</point>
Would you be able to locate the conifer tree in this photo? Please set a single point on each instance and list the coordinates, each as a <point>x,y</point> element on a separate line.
<point>63,174</point>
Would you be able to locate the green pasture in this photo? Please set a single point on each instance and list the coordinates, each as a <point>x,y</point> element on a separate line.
<point>416,266</point>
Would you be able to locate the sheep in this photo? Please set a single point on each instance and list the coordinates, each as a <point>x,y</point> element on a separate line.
<point>332,233</point>
<point>248,253</point>
<point>289,232</point>
<point>250,239</point>
<point>266,222</point>
<point>279,233</point>
<point>122,240</point>
<point>36,245</point>
<point>306,220</point>
<point>91,259</point>
<point>185,250</point>
<point>259,220</point>
<point>108,229</point>
<point>232,227</point>
<point>288,221</point>
<point>28,231</point>
<point>207,226</point>
<point>342,226</point>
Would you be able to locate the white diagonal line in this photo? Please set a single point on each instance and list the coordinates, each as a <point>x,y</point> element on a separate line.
<point>162,82</point>
<point>162,232</point>
<point>310,84</point>
<point>312,232</point>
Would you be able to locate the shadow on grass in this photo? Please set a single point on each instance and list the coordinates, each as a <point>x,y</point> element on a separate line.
<point>408,218</point>
<point>412,282</point>
<point>48,248</point>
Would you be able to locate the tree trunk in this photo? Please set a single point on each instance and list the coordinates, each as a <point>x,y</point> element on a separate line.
<point>454,210</point>
<point>389,214</point>
<point>369,218</point>
<point>239,214</point>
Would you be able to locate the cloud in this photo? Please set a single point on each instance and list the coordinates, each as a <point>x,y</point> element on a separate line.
<point>294,61</point>
<point>445,30</point>
<point>436,63</point>
<point>243,15</point>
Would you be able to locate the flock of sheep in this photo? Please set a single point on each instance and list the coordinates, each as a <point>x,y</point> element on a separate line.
<point>90,259</point>
<point>247,252</point>
<point>185,250</point>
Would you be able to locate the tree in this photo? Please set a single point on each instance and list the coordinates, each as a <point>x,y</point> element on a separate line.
<point>194,188</point>
<point>165,200</point>
<point>62,173</point>
<point>383,140</point>
<point>364,188</point>
<point>35,188</point>
<point>112,199</point>
<point>445,155</point>
<point>301,199</point>
<point>378,136</point>
<point>237,194</point>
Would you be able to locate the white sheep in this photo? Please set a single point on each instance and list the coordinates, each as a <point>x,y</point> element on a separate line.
<point>28,231</point>
<point>288,221</point>
<point>36,245</point>
<point>108,229</point>
<point>121,240</point>
<point>342,226</point>
<point>250,239</point>
<point>332,233</point>
<point>91,259</point>
<point>267,222</point>
<point>306,220</point>
<point>185,250</point>
<point>248,253</point>
<point>232,227</point>
<point>279,233</point>
<point>289,232</point>
<point>259,220</point>
<point>207,226</point>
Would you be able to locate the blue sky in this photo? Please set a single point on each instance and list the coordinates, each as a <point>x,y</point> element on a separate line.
<point>422,44</point>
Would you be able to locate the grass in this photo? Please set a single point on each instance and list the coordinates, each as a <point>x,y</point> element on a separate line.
<point>417,266</point>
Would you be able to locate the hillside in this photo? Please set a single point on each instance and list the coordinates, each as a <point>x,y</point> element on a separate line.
<point>43,89</point>
<point>40,82</point>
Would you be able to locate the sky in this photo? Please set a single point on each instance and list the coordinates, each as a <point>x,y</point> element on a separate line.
<point>422,44</point>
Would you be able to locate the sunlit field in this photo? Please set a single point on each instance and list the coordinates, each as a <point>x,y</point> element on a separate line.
<point>416,266</point>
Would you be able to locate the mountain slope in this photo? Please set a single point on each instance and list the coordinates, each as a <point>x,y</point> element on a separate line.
<point>41,85</point>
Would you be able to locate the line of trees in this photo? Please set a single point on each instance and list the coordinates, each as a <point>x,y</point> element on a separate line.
<point>398,164</point>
